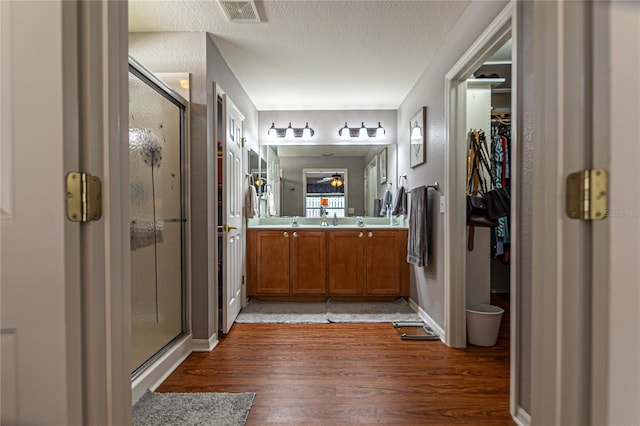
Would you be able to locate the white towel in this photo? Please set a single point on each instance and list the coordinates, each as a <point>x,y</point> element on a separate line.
<point>418,246</point>
<point>251,202</point>
<point>271,204</point>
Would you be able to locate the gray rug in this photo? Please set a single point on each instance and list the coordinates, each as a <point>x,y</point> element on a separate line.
<point>258,311</point>
<point>155,409</point>
<point>398,310</point>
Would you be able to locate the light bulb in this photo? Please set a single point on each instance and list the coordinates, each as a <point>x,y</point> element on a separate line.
<point>363,132</point>
<point>289,132</point>
<point>344,132</point>
<point>306,132</point>
<point>272,133</point>
<point>380,132</point>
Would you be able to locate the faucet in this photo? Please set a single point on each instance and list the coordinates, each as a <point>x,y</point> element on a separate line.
<point>360,221</point>
<point>294,223</point>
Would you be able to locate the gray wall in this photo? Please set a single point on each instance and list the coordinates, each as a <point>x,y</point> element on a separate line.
<point>195,53</point>
<point>427,284</point>
<point>293,190</point>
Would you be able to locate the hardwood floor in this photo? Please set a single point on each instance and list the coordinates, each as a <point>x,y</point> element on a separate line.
<point>353,374</point>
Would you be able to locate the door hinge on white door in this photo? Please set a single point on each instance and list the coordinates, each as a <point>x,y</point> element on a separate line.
<point>84,197</point>
<point>587,196</point>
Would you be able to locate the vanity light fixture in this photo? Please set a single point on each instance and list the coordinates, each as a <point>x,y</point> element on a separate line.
<point>362,132</point>
<point>290,132</point>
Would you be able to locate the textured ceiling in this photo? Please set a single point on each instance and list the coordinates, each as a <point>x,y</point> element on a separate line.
<point>309,54</point>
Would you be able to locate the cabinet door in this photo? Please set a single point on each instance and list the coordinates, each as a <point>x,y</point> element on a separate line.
<point>272,262</point>
<point>383,257</point>
<point>346,262</point>
<point>308,263</point>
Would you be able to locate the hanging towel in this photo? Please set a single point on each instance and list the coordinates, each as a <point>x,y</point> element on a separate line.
<point>251,202</point>
<point>271,204</point>
<point>417,248</point>
<point>400,206</point>
<point>386,202</point>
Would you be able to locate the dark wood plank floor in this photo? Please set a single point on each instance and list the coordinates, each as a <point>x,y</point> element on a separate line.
<point>352,374</point>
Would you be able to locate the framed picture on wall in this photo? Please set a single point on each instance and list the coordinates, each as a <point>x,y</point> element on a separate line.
<point>418,138</point>
<point>382,164</point>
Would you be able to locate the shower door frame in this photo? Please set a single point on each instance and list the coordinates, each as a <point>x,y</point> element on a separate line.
<point>163,89</point>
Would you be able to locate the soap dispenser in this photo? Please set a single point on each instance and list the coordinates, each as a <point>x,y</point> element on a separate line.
<point>335,219</point>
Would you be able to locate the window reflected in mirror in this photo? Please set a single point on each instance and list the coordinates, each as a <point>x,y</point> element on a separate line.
<point>325,189</point>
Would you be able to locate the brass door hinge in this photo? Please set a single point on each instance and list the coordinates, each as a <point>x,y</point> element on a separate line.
<point>84,197</point>
<point>587,196</point>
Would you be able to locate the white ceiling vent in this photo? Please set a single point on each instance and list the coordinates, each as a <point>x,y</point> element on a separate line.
<point>240,11</point>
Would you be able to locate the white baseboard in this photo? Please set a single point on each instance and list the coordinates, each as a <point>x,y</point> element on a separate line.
<point>427,318</point>
<point>205,345</point>
<point>522,418</point>
<point>161,368</point>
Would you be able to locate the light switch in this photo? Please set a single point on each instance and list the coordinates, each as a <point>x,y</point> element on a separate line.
<point>442,204</point>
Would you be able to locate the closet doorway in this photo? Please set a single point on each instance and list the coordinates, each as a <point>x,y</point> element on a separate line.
<point>480,88</point>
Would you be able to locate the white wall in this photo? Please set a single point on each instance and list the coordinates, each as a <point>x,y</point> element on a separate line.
<point>427,284</point>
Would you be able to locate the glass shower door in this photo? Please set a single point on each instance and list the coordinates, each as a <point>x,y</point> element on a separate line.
<point>156,129</point>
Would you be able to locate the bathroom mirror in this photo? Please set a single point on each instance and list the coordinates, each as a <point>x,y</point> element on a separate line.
<point>356,159</point>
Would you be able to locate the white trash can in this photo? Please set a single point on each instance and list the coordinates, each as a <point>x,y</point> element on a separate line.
<point>483,323</point>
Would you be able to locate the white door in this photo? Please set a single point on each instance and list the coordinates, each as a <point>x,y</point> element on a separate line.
<point>586,274</point>
<point>64,357</point>
<point>615,366</point>
<point>232,221</point>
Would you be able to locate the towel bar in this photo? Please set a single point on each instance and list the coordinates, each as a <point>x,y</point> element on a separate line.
<point>435,186</point>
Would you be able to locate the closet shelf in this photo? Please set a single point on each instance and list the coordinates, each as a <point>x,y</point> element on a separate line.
<point>484,81</point>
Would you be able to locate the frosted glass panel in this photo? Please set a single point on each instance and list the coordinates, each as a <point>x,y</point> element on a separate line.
<point>156,220</point>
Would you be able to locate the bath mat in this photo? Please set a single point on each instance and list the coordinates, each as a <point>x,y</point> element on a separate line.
<point>398,310</point>
<point>155,409</point>
<point>258,311</point>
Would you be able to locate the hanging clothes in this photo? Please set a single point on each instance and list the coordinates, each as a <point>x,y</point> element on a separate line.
<point>501,178</point>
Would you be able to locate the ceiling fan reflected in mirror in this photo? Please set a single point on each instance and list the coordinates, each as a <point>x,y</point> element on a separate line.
<point>335,180</point>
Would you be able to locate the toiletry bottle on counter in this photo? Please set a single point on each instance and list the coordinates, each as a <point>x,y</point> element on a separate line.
<point>335,219</point>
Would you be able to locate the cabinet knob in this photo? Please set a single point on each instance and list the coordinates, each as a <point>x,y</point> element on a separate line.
<point>286,234</point>
<point>370,234</point>
<point>295,234</point>
<point>361,235</point>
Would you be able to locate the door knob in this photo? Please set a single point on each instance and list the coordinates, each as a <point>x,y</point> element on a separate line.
<point>226,228</point>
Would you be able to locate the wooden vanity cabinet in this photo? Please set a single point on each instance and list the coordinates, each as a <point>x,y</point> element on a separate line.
<point>368,263</point>
<point>346,263</point>
<point>268,254</point>
<point>286,263</point>
<point>306,264</point>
